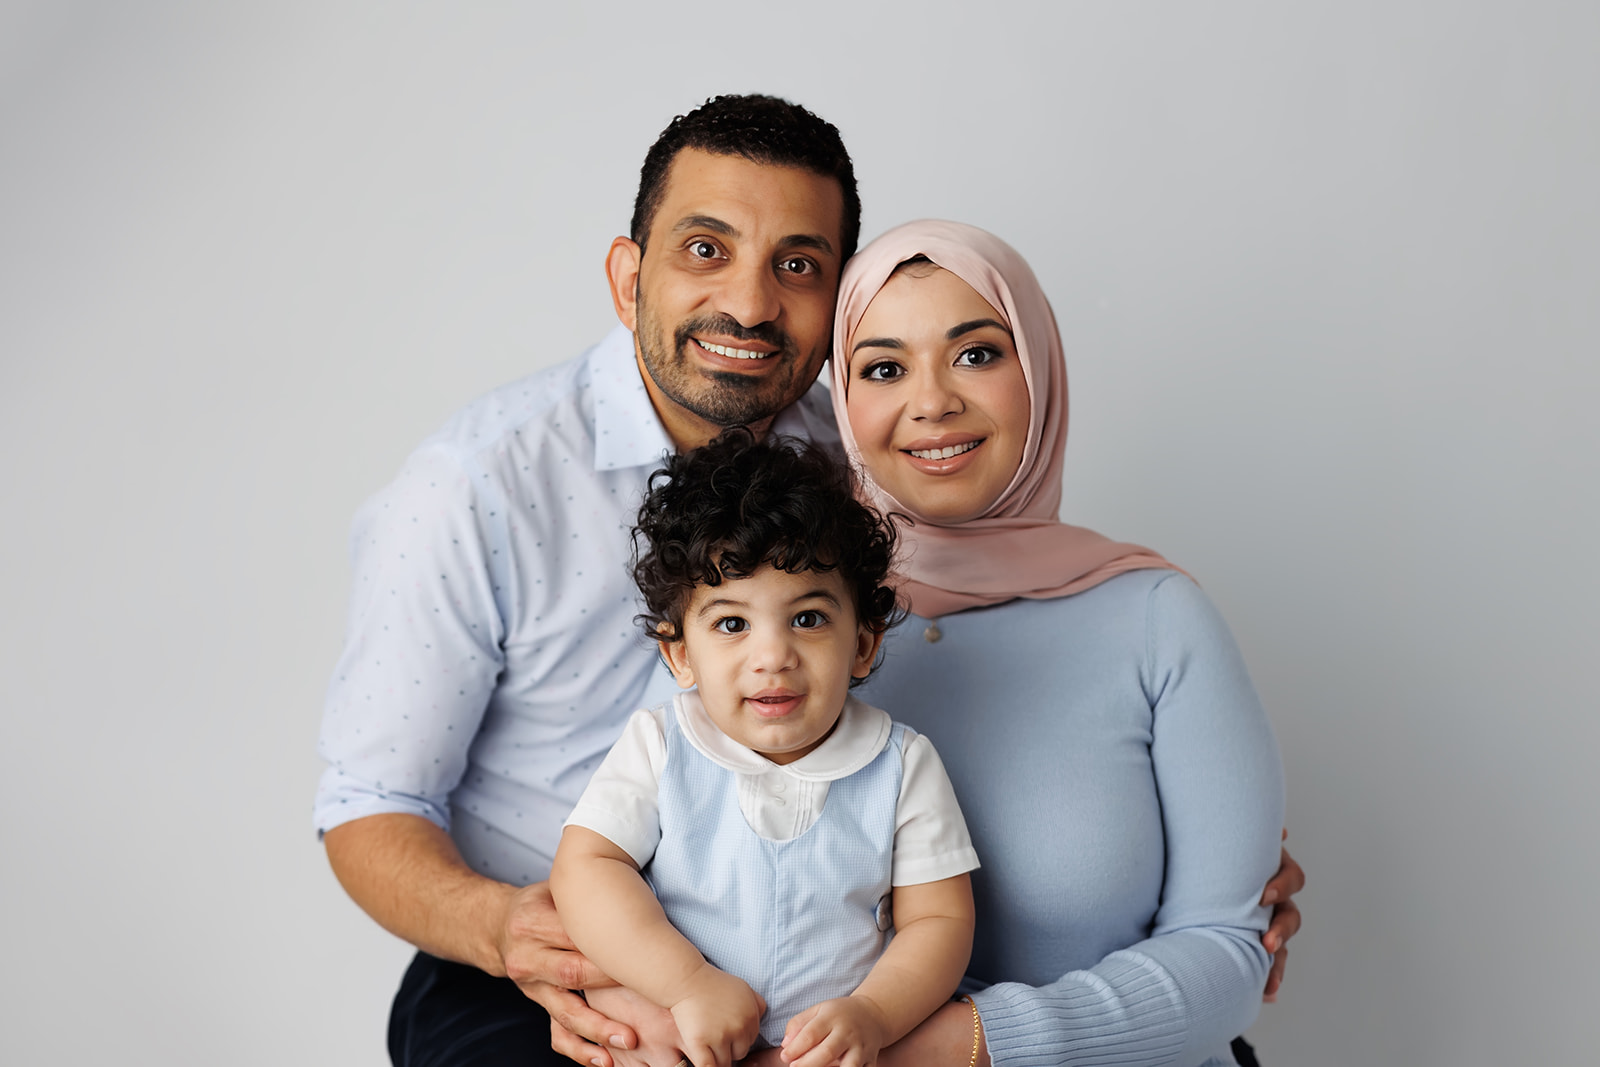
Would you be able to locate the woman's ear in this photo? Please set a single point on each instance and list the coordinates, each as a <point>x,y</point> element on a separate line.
<point>867,644</point>
<point>674,653</point>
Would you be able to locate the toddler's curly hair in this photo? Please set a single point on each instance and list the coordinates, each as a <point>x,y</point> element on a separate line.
<point>723,510</point>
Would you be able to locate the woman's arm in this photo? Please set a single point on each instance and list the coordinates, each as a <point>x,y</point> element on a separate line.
<point>1195,981</point>
<point>915,975</point>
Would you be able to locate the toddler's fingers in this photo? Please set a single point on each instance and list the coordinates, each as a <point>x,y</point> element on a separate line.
<point>797,1022</point>
<point>826,1051</point>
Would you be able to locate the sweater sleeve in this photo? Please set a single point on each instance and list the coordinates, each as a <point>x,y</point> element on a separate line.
<point>1180,995</point>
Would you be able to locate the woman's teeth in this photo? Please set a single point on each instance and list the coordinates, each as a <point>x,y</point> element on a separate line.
<point>732,353</point>
<point>944,453</point>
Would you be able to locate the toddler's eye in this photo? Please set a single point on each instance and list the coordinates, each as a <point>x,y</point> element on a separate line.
<point>809,620</point>
<point>731,625</point>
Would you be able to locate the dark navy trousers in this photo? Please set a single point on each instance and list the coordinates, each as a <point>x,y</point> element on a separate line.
<point>451,1015</point>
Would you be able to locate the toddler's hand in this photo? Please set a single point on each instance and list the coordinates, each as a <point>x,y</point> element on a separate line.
<point>848,1031</point>
<point>719,1019</point>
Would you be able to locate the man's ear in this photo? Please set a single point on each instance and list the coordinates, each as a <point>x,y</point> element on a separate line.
<point>867,643</point>
<point>675,655</point>
<point>622,272</point>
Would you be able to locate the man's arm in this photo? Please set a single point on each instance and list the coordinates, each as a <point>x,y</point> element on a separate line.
<point>406,873</point>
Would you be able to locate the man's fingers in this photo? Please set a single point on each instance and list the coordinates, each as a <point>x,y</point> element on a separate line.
<point>529,964</point>
<point>1284,925</point>
<point>576,1048</point>
<point>572,1013</point>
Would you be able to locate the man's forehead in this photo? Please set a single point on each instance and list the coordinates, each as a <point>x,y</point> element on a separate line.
<point>730,195</point>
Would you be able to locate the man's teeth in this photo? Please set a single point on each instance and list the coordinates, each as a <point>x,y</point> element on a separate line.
<point>944,453</point>
<point>732,353</point>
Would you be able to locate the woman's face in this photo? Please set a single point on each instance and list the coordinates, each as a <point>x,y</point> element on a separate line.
<point>937,400</point>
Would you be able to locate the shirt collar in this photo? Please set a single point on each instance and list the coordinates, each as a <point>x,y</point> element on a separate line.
<point>860,735</point>
<point>627,431</point>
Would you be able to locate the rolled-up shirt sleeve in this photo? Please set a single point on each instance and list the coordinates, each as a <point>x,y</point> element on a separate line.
<point>423,645</point>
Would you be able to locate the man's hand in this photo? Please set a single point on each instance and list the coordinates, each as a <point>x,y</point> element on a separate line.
<point>1279,893</point>
<point>658,1042</point>
<point>536,953</point>
<point>405,872</point>
<point>847,1031</point>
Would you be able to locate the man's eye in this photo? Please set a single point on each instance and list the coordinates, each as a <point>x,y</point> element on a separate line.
<point>977,356</point>
<point>885,371</point>
<point>809,620</point>
<point>731,625</point>
<point>798,265</point>
<point>703,249</point>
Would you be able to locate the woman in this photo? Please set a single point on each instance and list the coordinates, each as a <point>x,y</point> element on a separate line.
<point>1119,775</point>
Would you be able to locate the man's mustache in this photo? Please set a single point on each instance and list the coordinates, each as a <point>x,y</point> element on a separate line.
<point>726,326</point>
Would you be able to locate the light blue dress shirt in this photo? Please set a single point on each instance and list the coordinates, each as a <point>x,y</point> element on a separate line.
<point>492,657</point>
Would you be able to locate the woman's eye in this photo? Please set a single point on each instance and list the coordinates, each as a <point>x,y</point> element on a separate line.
<point>731,625</point>
<point>881,372</point>
<point>977,356</point>
<point>809,620</point>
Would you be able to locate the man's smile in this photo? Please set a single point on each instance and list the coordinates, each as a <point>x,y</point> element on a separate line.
<point>732,353</point>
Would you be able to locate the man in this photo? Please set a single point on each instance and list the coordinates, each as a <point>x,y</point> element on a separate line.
<point>492,656</point>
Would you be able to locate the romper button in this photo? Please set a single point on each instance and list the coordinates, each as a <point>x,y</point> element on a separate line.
<point>778,802</point>
<point>779,786</point>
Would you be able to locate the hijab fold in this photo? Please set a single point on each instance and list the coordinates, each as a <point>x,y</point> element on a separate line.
<point>1018,547</point>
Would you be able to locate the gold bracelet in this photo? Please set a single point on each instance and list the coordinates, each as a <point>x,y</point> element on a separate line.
<point>977,1032</point>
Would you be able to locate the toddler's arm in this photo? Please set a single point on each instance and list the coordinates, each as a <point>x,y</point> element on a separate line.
<point>614,919</point>
<point>916,974</point>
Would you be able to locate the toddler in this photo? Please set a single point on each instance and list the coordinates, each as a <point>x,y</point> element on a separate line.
<point>767,845</point>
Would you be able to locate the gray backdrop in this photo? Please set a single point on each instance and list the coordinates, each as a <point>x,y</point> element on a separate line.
<point>1328,278</point>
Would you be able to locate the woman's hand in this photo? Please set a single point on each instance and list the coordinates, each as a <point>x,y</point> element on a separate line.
<point>1279,893</point>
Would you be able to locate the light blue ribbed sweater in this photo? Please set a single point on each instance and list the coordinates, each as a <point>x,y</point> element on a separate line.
<point>1125,795</point>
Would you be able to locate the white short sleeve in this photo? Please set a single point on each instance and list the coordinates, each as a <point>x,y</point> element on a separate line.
<point>931,842</point>
<point>621,802</point>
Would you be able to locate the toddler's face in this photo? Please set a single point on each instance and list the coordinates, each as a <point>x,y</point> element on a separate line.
<point>773,655</point>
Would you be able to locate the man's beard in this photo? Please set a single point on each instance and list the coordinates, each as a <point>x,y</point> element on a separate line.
<point>722,398</point>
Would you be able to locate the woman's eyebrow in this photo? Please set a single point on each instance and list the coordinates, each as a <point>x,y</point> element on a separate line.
<point>976,324</point>
<point>877,342</point>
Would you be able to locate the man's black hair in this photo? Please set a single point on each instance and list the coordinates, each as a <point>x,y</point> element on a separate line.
<point>762,129</point>
<point>724,510</point>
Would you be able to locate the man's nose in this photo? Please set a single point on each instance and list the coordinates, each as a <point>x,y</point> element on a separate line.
<point>750,293</point>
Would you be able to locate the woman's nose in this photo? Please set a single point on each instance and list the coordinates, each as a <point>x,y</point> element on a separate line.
<point>933,398</point>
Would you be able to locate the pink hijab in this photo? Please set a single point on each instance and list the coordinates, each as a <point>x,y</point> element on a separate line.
<point>1018,547</point>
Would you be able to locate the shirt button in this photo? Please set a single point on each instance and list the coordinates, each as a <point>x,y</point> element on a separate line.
<point>779,786</point>
<point>778,802</point>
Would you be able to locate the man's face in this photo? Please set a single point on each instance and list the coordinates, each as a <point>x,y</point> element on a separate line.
<point>733,300</point>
